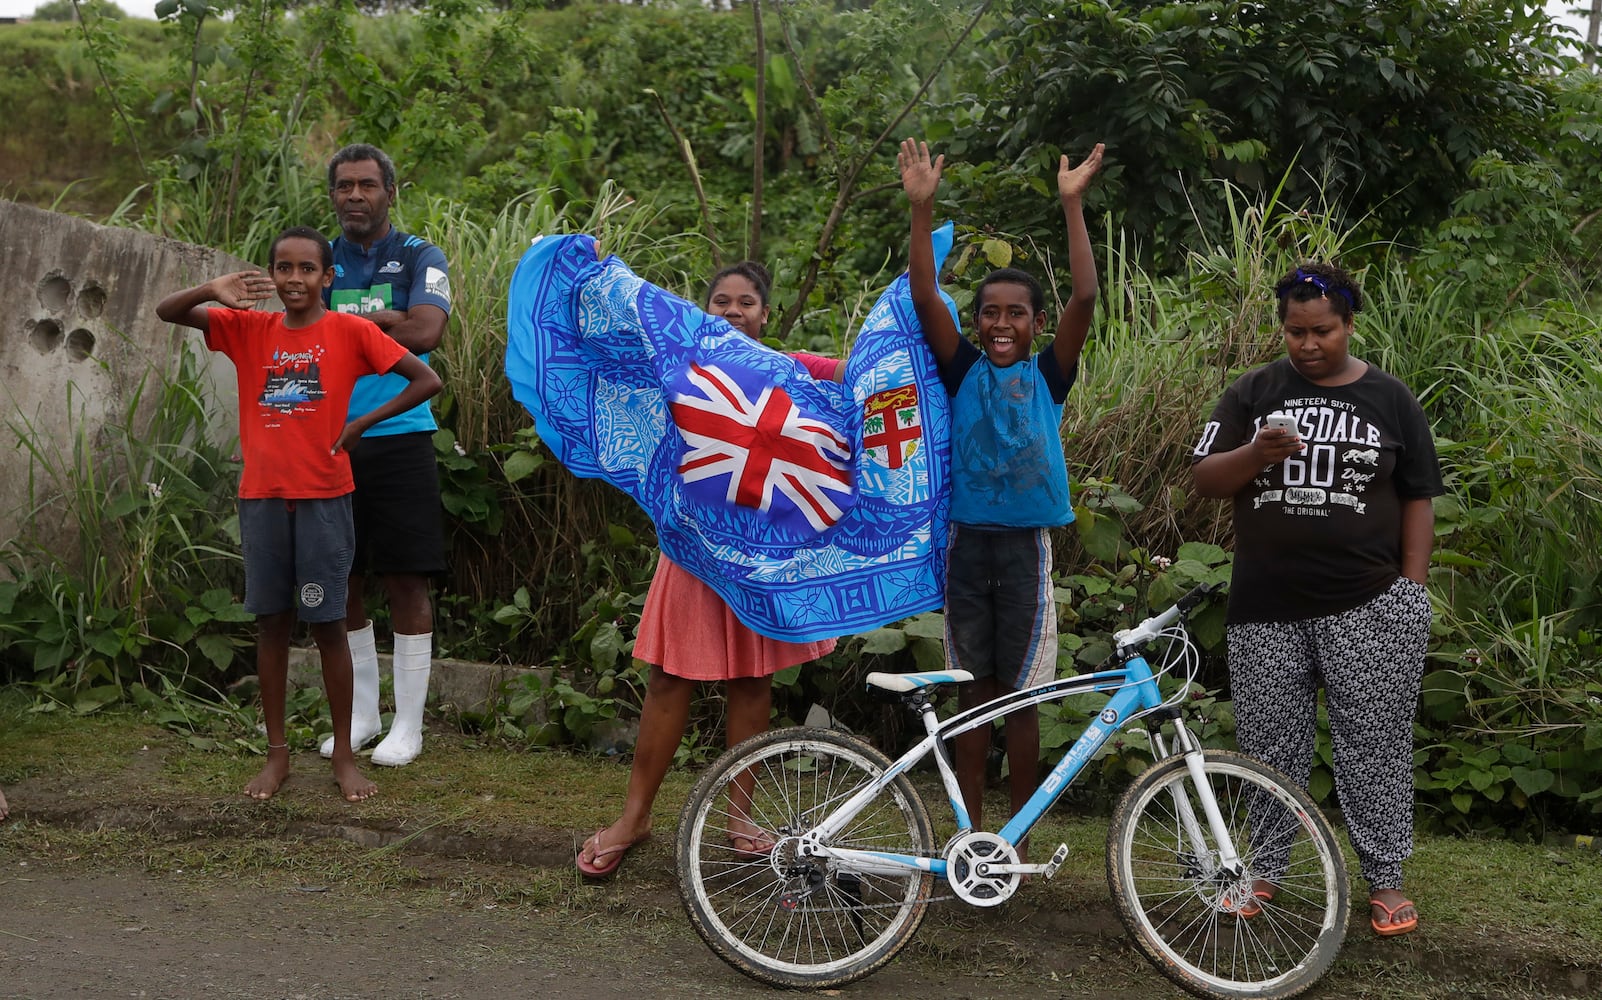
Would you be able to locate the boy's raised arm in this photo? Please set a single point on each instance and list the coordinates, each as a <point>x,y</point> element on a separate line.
<point>920,178</point>
<point>240,290</point>
<point>1073,326</point>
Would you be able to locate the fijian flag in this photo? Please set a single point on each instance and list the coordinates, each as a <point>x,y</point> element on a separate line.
<point>814,509</point>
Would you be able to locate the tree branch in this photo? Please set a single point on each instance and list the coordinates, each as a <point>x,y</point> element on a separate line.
<point>105,81</point>
<point>753,245</point>
<point>695,176</point>
<point>848,183</point>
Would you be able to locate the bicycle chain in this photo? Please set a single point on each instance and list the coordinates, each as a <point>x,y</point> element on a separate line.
<point>879,906</point>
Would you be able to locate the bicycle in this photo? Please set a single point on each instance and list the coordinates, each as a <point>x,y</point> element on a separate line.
<point>806,858</point>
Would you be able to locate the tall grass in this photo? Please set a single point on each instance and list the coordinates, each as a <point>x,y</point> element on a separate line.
<point>131,544</point>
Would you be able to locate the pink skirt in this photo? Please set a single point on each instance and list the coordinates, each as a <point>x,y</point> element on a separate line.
<point>688,631</point>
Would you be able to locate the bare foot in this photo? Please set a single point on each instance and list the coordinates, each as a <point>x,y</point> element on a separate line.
<point>353,784</point>
<point>271,776</point>
<point>5,810</point>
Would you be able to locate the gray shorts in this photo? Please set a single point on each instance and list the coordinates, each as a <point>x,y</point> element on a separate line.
<point>297,556</point>
<point>1001,615</point>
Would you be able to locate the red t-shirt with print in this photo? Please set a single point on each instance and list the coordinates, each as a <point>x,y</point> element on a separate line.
<point>294,395</point>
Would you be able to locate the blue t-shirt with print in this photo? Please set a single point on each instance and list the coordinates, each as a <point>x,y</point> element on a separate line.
<point>399,271</point>
<point>1007,465</point>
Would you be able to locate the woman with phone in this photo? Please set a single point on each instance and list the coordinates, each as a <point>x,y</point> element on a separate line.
<point>1331,467</point>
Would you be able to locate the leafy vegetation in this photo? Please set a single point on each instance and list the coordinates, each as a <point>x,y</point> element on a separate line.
<point>1447,153</point>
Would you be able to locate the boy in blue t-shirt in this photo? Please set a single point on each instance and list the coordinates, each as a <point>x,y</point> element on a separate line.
<point>1009,481</point>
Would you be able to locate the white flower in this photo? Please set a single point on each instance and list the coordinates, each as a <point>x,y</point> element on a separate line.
<point>459,449</point>
<point>1161,562</point>
<point>154,489</point>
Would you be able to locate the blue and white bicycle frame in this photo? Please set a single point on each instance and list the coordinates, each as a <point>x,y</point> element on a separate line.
<point>1133,689</point>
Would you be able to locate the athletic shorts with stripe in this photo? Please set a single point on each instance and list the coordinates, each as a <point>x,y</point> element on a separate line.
<point>1001,618</point>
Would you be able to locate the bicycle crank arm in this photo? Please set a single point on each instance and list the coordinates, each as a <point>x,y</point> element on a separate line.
<point>1048,869</point>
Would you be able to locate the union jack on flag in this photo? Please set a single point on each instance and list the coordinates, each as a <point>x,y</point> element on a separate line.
<point>764,446</point>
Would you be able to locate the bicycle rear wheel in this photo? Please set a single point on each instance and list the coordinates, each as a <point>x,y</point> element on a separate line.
<point>780,917</point>
<point>1207,928</point>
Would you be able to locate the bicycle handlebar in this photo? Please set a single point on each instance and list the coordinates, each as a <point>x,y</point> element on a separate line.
<point>1153,626</point>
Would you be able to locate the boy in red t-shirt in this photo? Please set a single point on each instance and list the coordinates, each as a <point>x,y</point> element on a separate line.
<point>295,372</point>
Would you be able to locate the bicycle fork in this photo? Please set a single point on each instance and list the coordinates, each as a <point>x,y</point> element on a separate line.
<point>1224,858</point>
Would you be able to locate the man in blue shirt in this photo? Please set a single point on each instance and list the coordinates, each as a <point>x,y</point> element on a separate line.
<point>400,282</point>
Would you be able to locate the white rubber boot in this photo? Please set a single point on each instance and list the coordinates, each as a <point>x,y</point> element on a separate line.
<point>365,724</point>
<point>413,659</point>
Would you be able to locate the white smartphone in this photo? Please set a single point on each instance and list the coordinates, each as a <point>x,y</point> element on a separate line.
<point>1284,422</point>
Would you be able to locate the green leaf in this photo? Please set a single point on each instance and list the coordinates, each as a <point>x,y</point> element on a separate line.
<point>95,699</point>
<point>929,625</point>
<point>218,649</point>
<point>521,464</point>
<point>929,654</point>
<point>998,252</point>
<point>1100,535</point>
<point>1202,552</point>
<point>607,646</point>
<point>883,641</point>
<point>1319,784</point>
<point>1533,782</point>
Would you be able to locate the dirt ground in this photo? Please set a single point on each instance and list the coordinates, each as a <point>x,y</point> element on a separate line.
<point>117,883</point>
<point>67,932</point>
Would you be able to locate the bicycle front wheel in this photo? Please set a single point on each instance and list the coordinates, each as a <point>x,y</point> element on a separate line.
<point>774,914</point>
<point>1269,927</point>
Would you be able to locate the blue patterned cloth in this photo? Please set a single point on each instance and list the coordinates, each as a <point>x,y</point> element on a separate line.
<point>814,509</point>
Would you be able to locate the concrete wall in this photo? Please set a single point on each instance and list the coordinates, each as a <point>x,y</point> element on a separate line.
<point>81,346</point>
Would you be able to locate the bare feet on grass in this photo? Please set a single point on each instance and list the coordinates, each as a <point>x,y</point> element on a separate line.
<point>271,776</point>
<point>353,784</point>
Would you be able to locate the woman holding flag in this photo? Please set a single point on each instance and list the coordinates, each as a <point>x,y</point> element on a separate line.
<point>688,634</point>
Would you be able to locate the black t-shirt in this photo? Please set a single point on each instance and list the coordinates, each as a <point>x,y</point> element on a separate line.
<point>1321,533</point>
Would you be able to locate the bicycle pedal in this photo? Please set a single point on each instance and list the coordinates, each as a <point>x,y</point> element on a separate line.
<point>1057,858</point>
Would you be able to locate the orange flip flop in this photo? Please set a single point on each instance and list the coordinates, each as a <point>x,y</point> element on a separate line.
<point>1253,905</point>
<point>1390,928</point>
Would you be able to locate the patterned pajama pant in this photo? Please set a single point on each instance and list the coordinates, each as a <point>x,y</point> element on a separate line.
<point>1370,662</point>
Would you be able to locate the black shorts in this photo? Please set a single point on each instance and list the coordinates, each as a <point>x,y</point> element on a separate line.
<point>1001,611</point>
<point>399,523</point>
<point>297,556</point>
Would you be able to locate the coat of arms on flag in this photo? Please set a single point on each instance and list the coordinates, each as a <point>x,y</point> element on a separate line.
<point>891,428</point>
<point>813,509</point>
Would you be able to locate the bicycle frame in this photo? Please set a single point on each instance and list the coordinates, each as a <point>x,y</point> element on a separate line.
<point>1133,692</point>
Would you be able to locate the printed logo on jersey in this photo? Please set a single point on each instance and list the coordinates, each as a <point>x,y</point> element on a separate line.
<point>294,381</point>
<point>1340,457</point>
<point>437,283</point>
<point>362,301</point>
<point>391,267</point>
<point>311,595</point>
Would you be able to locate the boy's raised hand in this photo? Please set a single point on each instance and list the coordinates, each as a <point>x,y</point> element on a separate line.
<point>920,178</point>
<point>1073,181</point>
<point>242,289</point>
